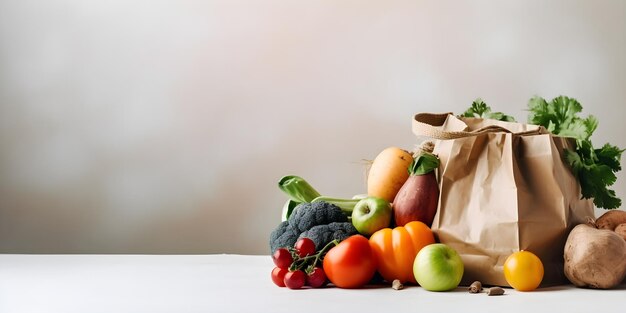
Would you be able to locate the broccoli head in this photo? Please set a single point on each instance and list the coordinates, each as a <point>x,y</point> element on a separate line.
<point>305,217</point>
<point>323,234</point>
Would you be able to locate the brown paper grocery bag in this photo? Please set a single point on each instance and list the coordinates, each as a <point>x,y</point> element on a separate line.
<point>503,188</point>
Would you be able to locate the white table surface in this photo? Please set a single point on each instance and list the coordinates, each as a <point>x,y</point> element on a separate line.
<point>239,283</point>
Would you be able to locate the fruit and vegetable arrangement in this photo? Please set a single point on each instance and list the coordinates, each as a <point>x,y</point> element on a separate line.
<point>386,235</point>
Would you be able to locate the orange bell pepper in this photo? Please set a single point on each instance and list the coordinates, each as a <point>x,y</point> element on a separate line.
<point>395,249</point>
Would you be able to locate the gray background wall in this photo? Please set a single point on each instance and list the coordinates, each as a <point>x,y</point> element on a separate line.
<point>163,126</point>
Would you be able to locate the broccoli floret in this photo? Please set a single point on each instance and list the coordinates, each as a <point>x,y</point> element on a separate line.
<point>304,217</point>
<point>323,234</point>
<point>307,215</point>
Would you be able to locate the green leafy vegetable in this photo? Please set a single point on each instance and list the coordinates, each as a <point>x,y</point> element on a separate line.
<point>423,164</point>
<point>560,117</point>
<point>594,168</point>
<point>481,110</point>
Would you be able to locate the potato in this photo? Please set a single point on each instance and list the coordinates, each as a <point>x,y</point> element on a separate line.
<point>611,219</point>
<point>595,258</point>
<point>621,230</point>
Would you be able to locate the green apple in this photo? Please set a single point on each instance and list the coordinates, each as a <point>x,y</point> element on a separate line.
<point>438,267</point>
<point>371,214</point>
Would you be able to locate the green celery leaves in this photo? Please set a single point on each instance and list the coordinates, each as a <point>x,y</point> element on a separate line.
<point>560,117</point>
<point>481,110</point>
<point>594,168</point>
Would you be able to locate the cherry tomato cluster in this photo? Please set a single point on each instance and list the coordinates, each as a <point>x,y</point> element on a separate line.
<point>299,266</point>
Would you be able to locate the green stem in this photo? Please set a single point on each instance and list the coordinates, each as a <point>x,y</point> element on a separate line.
<point>346,205</point>
<point>299,263</point>
<point>319,254</point>
<point>297,189</point>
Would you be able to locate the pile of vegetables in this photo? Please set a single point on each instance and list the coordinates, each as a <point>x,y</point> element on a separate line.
<point>349,240</point>
<point>395,175</point>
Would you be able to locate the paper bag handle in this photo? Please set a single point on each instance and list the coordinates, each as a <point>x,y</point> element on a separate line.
<point>428,124</point>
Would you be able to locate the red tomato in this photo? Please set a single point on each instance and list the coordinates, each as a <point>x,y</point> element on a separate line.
<point>282,258</point>
<point>295,279</point>
<point>305,246</point>
<point>278,276</point>
<point>350,264</point>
